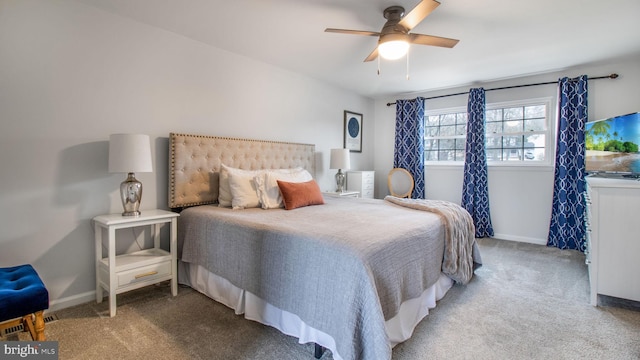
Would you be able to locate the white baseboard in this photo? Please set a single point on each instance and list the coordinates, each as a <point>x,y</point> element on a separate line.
<point>70,301</point>
<point>520,239</point>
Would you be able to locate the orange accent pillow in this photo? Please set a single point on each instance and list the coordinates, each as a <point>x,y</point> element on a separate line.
<point>295,195</point>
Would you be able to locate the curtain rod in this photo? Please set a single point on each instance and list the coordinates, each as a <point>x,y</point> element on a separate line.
<point>612,76</point>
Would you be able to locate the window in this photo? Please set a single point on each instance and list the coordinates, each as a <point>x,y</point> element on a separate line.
<point>516,132</point>
<point>445,136</point>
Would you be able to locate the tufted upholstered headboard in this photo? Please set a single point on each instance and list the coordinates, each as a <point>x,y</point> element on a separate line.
<point>194,163</point>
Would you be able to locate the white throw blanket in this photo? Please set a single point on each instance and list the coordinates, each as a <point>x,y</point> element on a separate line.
<point>460,242</point>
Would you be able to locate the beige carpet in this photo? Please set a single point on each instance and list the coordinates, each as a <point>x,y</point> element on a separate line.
<point>526,302</point>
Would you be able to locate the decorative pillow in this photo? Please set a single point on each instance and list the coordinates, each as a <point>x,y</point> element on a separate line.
<point>295,195</point>
<point>224,192</point>
<point>243,180</point>
<point>267,185</point>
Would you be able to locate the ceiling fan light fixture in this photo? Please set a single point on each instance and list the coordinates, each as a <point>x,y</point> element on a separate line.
<point>393,50</point>
<point>393,46</point>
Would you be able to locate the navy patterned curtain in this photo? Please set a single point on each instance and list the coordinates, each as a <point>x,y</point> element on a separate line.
<point>475,189</point>
<point>409,144</point>
<point>567,228</point>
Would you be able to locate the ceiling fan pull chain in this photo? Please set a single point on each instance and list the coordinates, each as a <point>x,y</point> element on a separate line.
<point>378,65</point>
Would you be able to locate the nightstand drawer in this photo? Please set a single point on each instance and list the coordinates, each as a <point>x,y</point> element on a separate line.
<point>144,273</point>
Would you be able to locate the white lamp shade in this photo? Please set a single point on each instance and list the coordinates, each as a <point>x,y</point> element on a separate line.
<point>340,159</point>
<point>129,153</point>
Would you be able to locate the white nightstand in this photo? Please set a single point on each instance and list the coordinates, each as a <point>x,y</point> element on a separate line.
<point>118,274</point>
<point>362,181</point>
<point>355,194</point>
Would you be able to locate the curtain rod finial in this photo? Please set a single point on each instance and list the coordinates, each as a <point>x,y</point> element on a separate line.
<point>613,76</point>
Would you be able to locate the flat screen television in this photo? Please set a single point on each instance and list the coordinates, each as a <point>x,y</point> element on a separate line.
<point>612,146</point>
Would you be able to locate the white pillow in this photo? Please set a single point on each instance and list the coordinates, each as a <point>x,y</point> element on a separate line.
<point>243,190</point>
<point>267,185</point>
<point>225,195</point>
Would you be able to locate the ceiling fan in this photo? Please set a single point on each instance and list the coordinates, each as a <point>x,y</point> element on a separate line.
<point>394,38</point>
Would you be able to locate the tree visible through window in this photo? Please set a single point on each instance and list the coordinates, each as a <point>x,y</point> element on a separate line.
<point>515,132</point>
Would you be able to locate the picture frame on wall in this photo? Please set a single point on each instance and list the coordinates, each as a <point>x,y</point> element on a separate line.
<point>352,131</point>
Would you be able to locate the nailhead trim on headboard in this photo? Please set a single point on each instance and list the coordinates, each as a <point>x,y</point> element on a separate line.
<point>194,163</point>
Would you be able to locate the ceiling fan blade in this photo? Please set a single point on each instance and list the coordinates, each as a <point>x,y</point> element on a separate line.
<point>373,55</point>
<point>352,32</point>
<point>421,39</point>
<point>418,13</point>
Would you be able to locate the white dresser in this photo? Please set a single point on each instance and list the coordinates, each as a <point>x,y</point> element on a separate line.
<point>613,238</point>
<point>362,181</point>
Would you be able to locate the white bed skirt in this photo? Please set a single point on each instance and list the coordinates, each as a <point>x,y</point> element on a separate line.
<point>399,328</point>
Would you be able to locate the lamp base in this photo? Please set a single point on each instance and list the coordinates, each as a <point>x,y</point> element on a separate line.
<point>131,195</point>
<point>340,180</point>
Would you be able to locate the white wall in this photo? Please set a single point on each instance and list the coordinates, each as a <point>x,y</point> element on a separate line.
<point>70,75</point>
<point>520,197</point>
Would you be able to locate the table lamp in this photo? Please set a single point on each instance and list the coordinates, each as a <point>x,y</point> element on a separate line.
<point>340,160</point>
<point>130,153</point>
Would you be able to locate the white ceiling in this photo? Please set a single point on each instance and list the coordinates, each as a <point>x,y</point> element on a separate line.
<point>498,38</point>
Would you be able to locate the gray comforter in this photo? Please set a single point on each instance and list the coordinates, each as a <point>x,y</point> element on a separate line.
<point>343,267</point>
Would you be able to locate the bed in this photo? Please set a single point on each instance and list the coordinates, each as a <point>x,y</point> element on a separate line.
<point>351,275</point>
